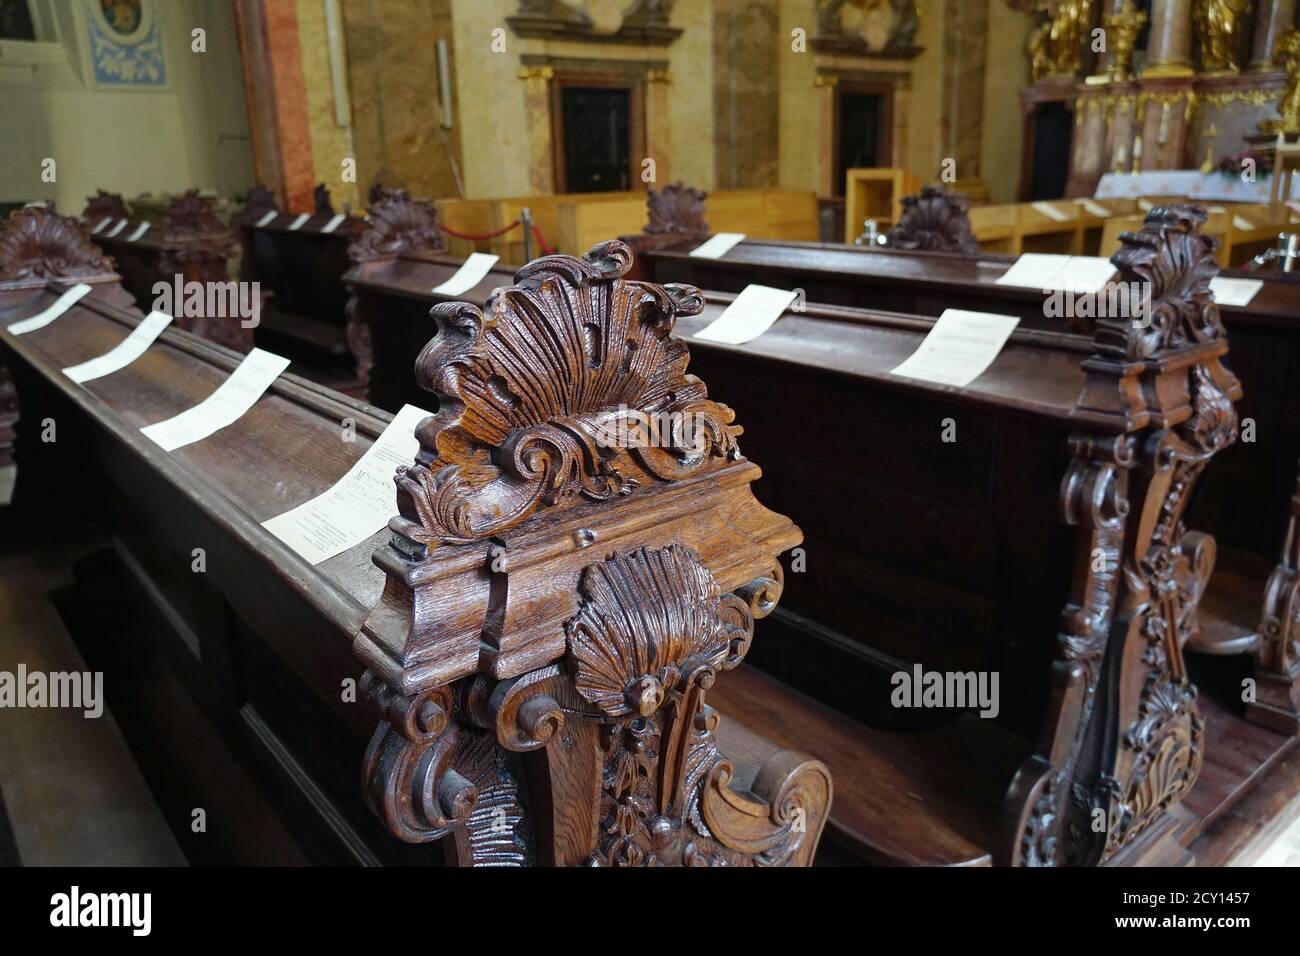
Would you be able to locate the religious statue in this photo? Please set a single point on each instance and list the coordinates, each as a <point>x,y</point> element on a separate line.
<point>1056,47</point>
<point>1287,53</point>
<point>1218,28</point>
<point>1122,29</point>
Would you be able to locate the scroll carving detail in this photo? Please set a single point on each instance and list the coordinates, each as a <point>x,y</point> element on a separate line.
<point>934,220</point>
<point>38,243</point>
<point>502,445</point>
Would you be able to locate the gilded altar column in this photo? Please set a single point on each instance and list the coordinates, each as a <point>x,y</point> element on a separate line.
<point>537,114</point>
<point>658,126</point>
<point>1106,58</point>
<point>1275,17</point>
<point>1169,44</point>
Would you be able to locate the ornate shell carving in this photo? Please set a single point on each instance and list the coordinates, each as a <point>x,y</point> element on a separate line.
<point>38,243</point>
<point>104,204</point>
<point>535,396</point>
<point>398,224</point>
<point>1170,258</point>
<point>935,220</point>
<point>191,215</point>
<point>648,621</point>
<point>676,210</point>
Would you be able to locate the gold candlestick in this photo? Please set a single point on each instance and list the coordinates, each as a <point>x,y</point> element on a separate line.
<point>1210,134</point>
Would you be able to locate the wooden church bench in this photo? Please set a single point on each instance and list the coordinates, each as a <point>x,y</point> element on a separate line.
<point>299,264</point>
<point>514,737</point>
<point>191,245</point>
<point>20,275</point>
<point>1245,501</point>
<point>823,364</point>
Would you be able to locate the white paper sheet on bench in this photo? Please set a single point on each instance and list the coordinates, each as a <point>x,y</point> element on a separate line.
<point>959,347</point>
<point>358,504</point>
<point>1239,222</point>
<point>1048,273</point>
<point>1048,210</point>
<point>268,217</point>
<point>297,223</point>
<point>1094,208</point>
<point>750,315</point>
<point>43,318</point>
<point>233,397</point>
<point>470,274</point>
<point>334,223</point>
<point>102,223</point>
<point>1234,291</point>
<point>116,229</point>
<point>718,246</point>
<point>140,230</point>
<point>124,353</point>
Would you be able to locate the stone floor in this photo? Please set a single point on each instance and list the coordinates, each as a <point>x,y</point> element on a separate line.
<point>69,785</point>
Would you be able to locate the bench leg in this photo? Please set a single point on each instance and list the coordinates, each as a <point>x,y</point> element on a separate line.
<point>1277,661</point>
<point>1123,740</point>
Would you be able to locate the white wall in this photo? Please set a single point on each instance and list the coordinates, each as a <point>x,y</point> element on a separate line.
<point>192,134</point>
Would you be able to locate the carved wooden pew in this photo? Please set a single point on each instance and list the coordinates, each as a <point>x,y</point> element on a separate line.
<point>1246,500</point>
<point>37,245</point>
<point>548,727</point>
<point>192,245</point>
<point>402,244</point>
<point>921,550</point>
<point>299,263</point>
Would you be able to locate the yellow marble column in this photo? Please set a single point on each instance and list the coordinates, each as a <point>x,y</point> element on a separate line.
<point>537,113</point>
<point>1169,43</point>
<point>658,127</point>
<point>826,84</point>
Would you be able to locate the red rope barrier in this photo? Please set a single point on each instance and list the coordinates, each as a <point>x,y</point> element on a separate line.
<point>541,243</point>
<point>474,237</point>
<point>480,237</point>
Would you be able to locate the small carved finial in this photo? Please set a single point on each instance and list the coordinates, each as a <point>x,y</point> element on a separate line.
<point>104,204</point>
<point>1172,264</point>
<point>321,197</point>
<point>936,221</point>
<point>37,243</point>
<point>676,210</point>
<point>535,395</point>
<point>398,225</point>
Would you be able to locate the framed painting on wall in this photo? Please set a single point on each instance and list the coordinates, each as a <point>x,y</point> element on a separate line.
<point>126,44</point>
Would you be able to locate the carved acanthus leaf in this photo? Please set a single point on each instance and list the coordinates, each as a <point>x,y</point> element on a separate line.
<point>39,243</point>
<point>539,396</point>
<point>398,225</point>
<point>934,220</point>
<point>1173,263</point>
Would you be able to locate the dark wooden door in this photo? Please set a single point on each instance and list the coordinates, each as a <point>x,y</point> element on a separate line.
<point>597,138</point>
<point>862,134</point>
